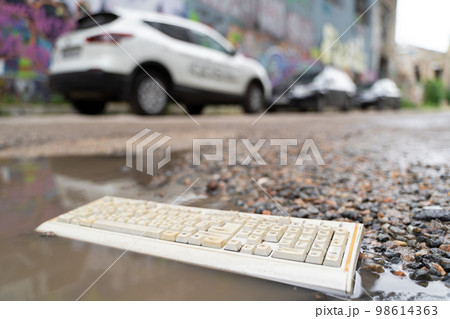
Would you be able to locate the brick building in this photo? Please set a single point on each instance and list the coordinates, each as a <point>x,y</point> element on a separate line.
<point>414,66</point>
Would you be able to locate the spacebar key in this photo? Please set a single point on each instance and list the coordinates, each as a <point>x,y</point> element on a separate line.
<point>130,229</point>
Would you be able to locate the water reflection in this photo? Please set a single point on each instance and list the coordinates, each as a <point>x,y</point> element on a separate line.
<point>40,268</point>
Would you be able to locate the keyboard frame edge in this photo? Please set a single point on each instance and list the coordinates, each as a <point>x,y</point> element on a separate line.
<point>334,280</point>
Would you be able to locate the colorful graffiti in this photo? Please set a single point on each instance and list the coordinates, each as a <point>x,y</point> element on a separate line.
<point>28,31</point>
<point>347,55</point>
<point>284,35</point>
<point>275,32</point>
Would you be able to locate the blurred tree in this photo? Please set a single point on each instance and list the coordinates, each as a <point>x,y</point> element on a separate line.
<point>434,92</point>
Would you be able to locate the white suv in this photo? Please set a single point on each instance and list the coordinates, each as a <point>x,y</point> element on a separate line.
<point>189,60</point>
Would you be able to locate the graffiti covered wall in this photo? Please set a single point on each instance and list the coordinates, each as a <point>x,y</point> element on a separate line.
<point>28,30</point>
<point>284,35</point>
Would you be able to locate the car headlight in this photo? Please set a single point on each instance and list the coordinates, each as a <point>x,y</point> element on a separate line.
<point>300,91</point>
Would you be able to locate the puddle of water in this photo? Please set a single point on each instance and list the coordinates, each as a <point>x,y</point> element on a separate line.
<point>38,268</point>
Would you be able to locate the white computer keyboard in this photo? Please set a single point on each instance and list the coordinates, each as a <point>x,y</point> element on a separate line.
<point>303,252</point>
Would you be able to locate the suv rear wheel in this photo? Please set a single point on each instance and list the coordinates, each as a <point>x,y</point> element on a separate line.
<point>254,101</point>
<point>89,107</point>
<point>149,95</point>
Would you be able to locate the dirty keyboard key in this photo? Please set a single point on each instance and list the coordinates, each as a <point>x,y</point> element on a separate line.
<point>333,258</point>
<point>248,249</point>
<point>213,241</point>
<point>253,240</point>
<point>196,239</point>
<point>233,245</point>
<point>315,256</point>
<point>273,236</point>
<point>263,250</point>
<point>289,254</point>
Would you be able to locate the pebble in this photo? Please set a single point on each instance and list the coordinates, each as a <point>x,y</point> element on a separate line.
<point>413,230</point>
<point>435,213</point>
<point>385,227</point>
<point>396,230</point>
<point>302,213</point>
<point>374,268</point>
<point>440,269</point>
<point>416,265</point>
<point>399,273</point>
<point>312,210</point>
<point>445,263</point>
<point>420,274</point>
<point>379,249</point>
<point>399,243</point>
<point>434,272</point>
<point>445,248</point>
<point>390,254</point>
<point>352,215</point>
<point>412,243</point>
<point>383,238</point>
<point>433,242</point>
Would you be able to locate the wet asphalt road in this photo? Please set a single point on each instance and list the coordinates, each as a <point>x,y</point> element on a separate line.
<point>401,136</point>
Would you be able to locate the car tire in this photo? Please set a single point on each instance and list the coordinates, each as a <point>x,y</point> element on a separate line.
<point>195,109</point>
<point>381,105</point>
<point>273,109</point>
<point>397,105</point>
<point>319,105</point>
<point>89,107</point>
<point>347,104</point>
<point>149,95</point>
<point>254,100</point>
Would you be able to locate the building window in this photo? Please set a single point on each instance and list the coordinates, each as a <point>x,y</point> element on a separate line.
<point>417,73</point>
<point>438,73</point>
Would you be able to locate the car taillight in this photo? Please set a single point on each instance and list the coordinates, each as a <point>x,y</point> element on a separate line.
<point>112,38</point>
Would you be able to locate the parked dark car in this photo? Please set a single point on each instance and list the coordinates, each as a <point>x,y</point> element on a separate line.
<point>382,94</point>
<point>317,89</point>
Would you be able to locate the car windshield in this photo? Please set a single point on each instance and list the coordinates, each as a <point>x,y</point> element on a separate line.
<point>303,77</point>
<point>206,41</point>
<point>365,86</point>
<point>188,35</point>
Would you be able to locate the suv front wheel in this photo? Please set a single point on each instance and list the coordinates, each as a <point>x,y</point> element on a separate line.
<point>149,95</point>
<point>254,101</point>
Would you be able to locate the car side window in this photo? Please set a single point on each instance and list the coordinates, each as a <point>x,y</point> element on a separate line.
<point>172,31</point>
<point>206,41</point>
